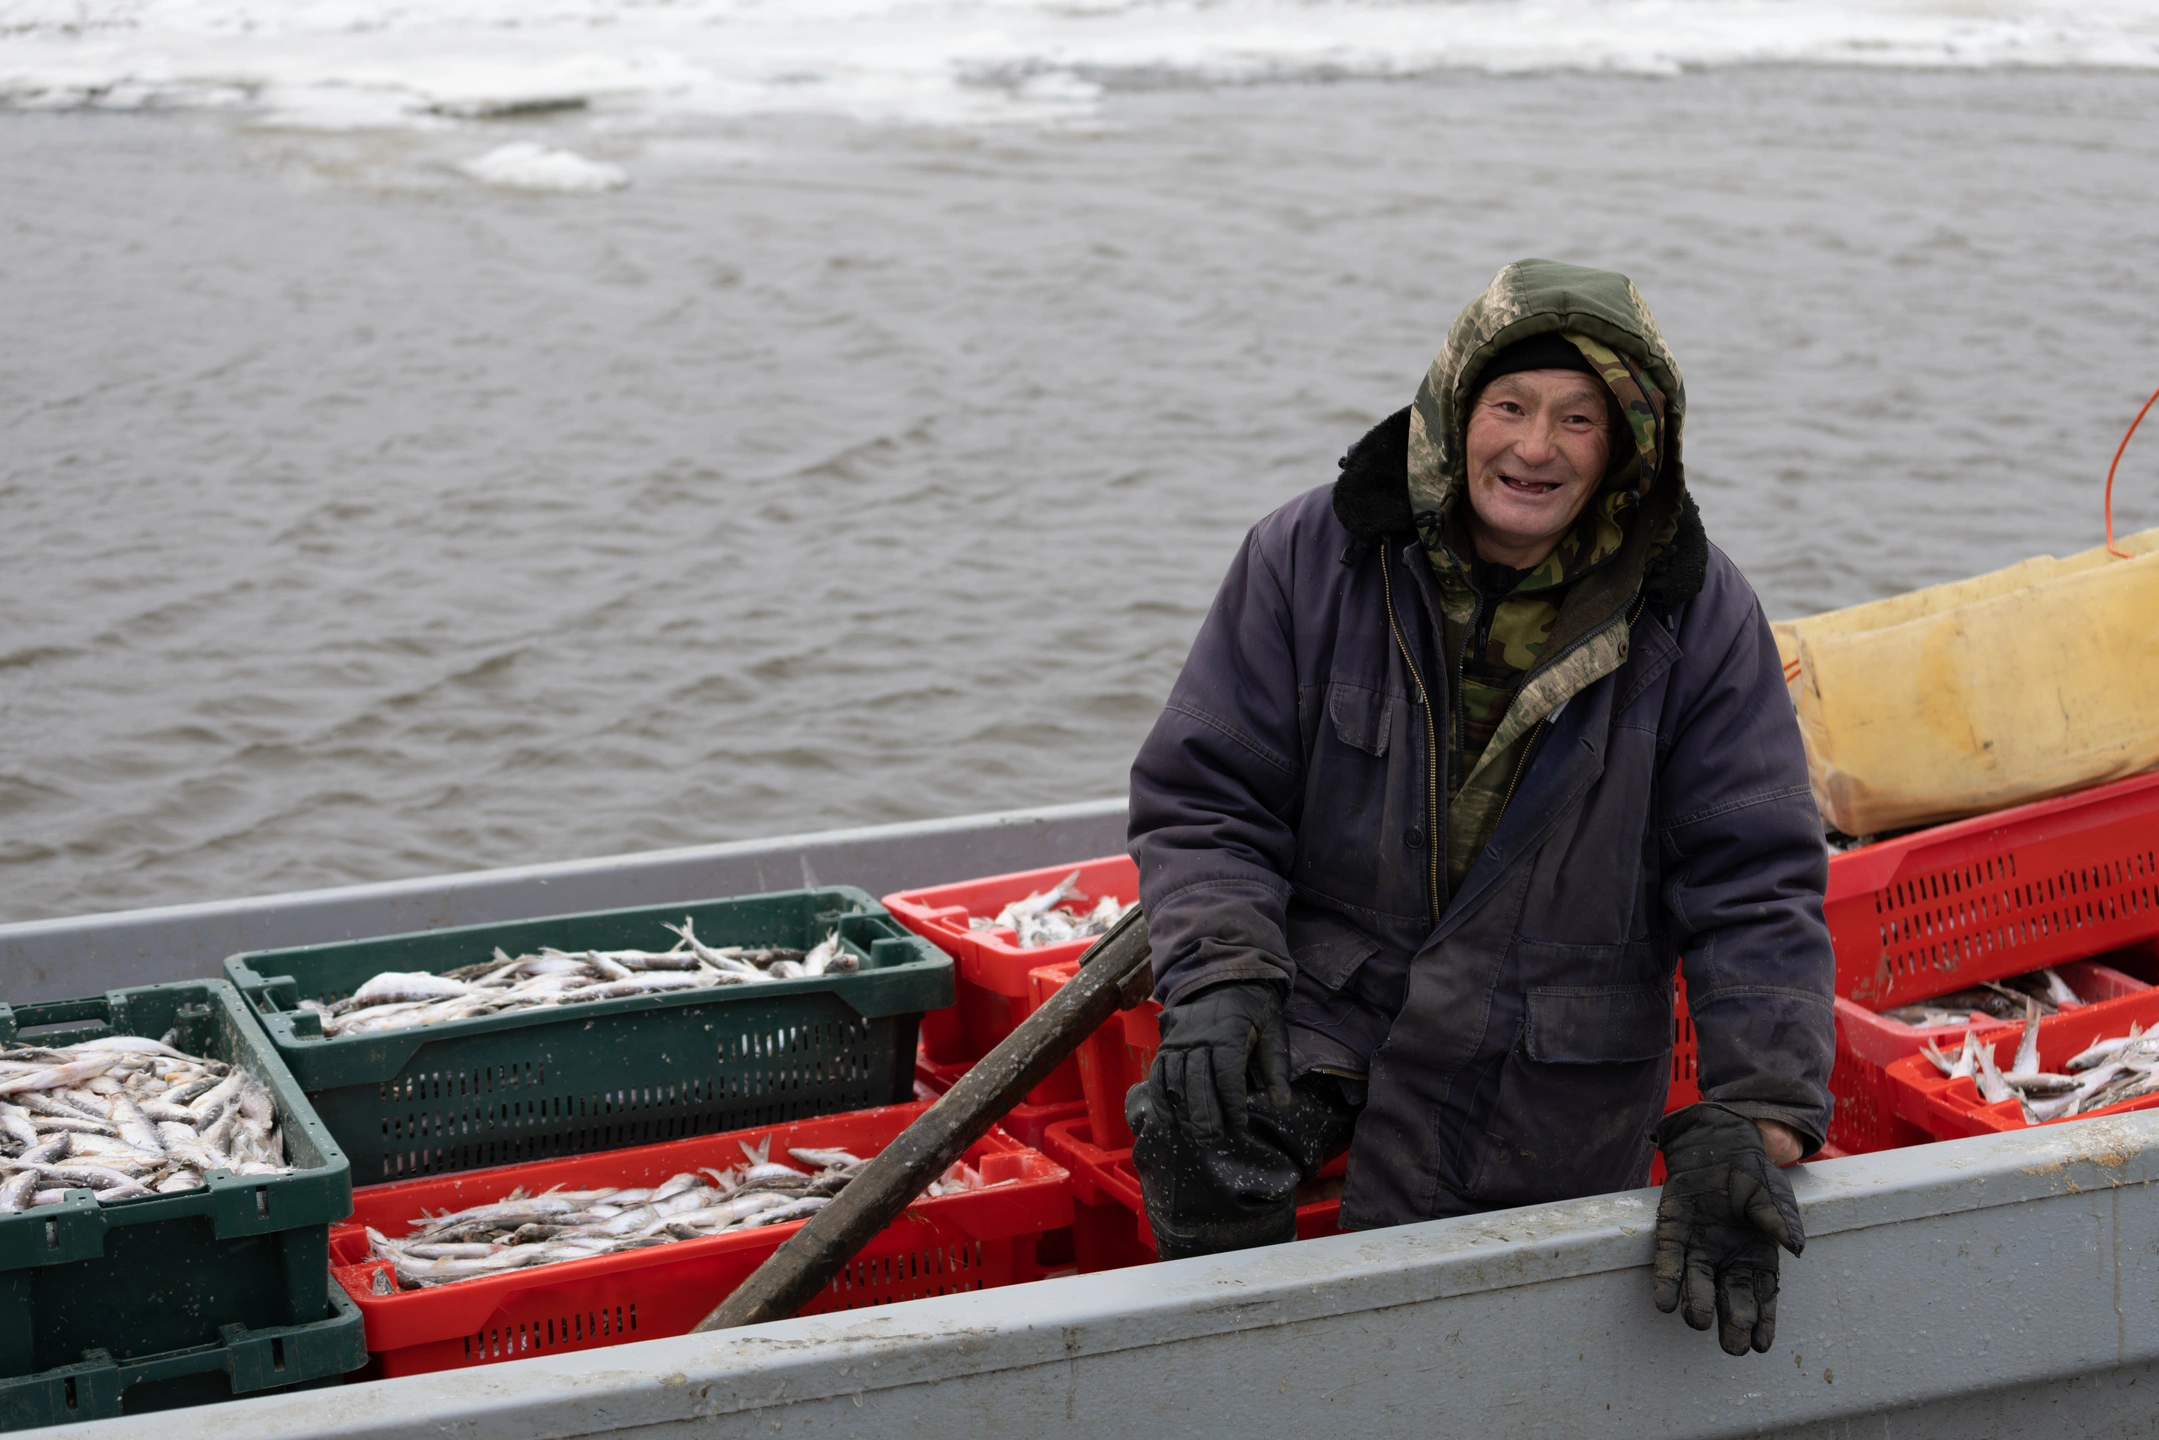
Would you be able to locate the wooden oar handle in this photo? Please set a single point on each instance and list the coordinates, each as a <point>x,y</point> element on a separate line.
<point>1113,974</point>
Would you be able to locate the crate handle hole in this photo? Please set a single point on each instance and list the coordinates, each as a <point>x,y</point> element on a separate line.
<point>89,1028</point>
<point>277,1352</point>
<point>262,1203</point>
<point>70,1397</point>
<point>52,1242</point>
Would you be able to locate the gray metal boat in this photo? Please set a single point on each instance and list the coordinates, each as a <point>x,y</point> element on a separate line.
<point>2006,1286</point>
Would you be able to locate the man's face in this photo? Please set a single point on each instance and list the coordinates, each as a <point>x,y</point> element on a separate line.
<point>1537,445</point>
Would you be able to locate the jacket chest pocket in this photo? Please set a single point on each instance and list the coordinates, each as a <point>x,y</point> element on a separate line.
<point>1362,719</point>
<point>1362,839</point>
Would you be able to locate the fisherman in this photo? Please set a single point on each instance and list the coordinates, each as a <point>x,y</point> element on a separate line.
<point>1474,748</point>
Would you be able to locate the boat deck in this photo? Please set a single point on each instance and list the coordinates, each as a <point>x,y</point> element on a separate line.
<point>1987,1287</point>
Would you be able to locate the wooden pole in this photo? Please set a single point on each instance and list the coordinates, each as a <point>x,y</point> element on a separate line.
<point>1114,973</point>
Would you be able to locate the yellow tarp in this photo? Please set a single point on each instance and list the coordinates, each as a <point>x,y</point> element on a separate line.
<point>1981,693</point>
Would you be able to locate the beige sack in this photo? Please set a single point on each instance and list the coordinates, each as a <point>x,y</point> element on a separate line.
<point>1981,693</point>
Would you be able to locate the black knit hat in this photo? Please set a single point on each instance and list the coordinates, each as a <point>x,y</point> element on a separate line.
<point>1549,351</point>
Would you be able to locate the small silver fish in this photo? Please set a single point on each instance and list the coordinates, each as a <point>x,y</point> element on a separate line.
<point>2027,1061</point>
<point>828,1159</point>
<point>1992,1088</point>
<point>2103,1049</point>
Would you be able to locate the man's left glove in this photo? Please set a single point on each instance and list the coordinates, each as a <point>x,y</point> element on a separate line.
<point>1726,1208</point>
<point>1210,1043</point>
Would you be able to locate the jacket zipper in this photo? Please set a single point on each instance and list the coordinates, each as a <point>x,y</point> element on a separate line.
<point>1458,712</point>
<point>1434,840</point>
<point>1521,766</point>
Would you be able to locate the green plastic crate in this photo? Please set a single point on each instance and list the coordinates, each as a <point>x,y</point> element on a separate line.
<point>504,1089</point>
<point>167,1273</point>
<point>244,1361</point>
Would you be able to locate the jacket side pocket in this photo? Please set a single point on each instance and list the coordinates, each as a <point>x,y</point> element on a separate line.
<point>1328,949</point>
<point>1602,1025</point>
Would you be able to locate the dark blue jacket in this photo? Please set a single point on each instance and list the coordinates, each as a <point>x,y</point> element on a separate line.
<point>1517,1046</point>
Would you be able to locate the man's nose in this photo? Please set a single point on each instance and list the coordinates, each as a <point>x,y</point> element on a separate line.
<point>1539,442</point>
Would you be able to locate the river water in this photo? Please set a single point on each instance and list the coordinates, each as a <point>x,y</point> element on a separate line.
<point>362,520</point>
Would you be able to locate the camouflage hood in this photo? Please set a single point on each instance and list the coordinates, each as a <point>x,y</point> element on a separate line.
<point>1604,316</point>
<point>1399,481</point>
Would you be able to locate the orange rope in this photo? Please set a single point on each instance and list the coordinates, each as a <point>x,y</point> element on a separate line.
<point>2123,554</point>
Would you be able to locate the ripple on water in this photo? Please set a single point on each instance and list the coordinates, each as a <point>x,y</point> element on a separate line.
<point>364,524</point>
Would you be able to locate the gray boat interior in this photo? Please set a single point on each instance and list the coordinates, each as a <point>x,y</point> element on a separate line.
<point>1977,1288</point>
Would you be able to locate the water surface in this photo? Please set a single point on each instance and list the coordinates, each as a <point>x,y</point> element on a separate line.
<point>363,521</point>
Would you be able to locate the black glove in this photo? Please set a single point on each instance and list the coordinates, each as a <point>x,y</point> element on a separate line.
<point>1725,1210</point>
<point>1211,1043</point>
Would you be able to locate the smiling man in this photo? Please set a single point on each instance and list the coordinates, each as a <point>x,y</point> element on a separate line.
<point>1476,747</point>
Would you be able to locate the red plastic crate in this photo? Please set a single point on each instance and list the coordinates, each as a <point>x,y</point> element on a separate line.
<point>1103,1177</point>
<point>1105,1061</point>
<point>1950,1109</point>
<point>991,971</point>
<point>1865,1118</point>
<point>1024,1123</point>
<point>1882,1042</point>
<point>971,1241</point>
<point>2041,884</point>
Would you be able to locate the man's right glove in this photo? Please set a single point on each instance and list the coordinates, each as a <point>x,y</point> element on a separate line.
<point>1211,1043</point>
<point>1725,1210</point>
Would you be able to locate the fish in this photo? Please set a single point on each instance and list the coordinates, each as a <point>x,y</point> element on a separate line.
<point>58,1077</point>
<point>17,1191</point>
<point>2109,1072</point>
<point>2027,1061</point>
<point>674,1185</point>
<point>1992,999</point>
<point>830,956</point>
<point>520,1230</point>
<point>828,1159</point>
<point>1044,918</point>
<point>392,986</point>
<point>2093,1083</point>
<point>1992,1088</point>
<point>503,984</point>
<point>125,1117</point>
<point>2102,1050</point>
<point>801,1209</point>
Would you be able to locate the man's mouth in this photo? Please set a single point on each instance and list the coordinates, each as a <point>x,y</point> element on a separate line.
<point>1528,487</point>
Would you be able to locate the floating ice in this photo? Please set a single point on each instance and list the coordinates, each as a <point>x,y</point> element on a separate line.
<point>522,165</point>
<point>362,63</point>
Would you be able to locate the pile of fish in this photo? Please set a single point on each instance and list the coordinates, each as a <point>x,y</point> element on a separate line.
<point>126,1116</point>
<point>397,999</point>
<point>521,1230</point>
<point>2111,1071</point>
<point>1998,1000</point>
<point>1045,919</point>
